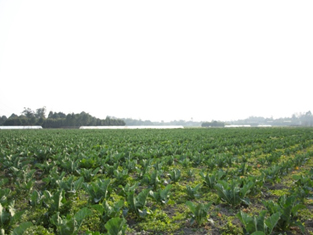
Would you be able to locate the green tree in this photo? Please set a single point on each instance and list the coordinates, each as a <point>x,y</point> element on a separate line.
<point>41,112</point>
<point>28,113</point>
<point>3,119</point>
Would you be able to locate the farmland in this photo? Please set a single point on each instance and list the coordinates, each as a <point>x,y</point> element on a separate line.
<point>184,181</point>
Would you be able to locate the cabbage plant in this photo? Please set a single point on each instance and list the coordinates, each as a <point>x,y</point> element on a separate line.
<point>258,225</point>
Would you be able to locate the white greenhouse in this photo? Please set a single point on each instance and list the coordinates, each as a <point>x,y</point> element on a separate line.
<point>131,127</point>
<point>237,126</point>
<point>19,127</point>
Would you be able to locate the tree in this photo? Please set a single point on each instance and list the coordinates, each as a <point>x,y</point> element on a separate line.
<point>28,113</point>
<point>57,119</point>
<point>50,115</point>
<point>13,115</point>
<point>307,119</point>
<point>56,115</point>
<point>41,112</point>
<point>213,124</point>
<point>3,119</point>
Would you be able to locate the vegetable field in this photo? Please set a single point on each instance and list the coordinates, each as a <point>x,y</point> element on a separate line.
<point>184,181</point>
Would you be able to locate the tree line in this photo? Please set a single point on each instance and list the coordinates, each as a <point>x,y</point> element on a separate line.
<point>297,119</point>
<point>300,119</point>
<point>213,124</point>
<point>139,122</point>
<point>57,119</point>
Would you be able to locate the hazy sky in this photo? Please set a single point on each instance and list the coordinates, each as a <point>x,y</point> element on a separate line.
<point>157,60</point>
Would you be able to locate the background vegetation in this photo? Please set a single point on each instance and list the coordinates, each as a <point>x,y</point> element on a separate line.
<point>57,119</point>
<point>62,120</point>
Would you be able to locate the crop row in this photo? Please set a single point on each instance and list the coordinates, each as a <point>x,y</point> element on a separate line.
<point>248,181</point>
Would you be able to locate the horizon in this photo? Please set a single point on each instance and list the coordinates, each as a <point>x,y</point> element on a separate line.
<point>167,121</point>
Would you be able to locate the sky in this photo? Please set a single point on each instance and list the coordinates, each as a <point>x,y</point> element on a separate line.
<point>157,60</point>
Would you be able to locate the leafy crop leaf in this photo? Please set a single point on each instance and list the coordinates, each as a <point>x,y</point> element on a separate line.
<point>272,221</point>
<point>142,198</point>
<point>81,215</point>
<point>22,228</point>
<point>199,211</point>
<point>191,207</point>
<point>258,233</point>
<point>4,216</point>
<point>116,226</point>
